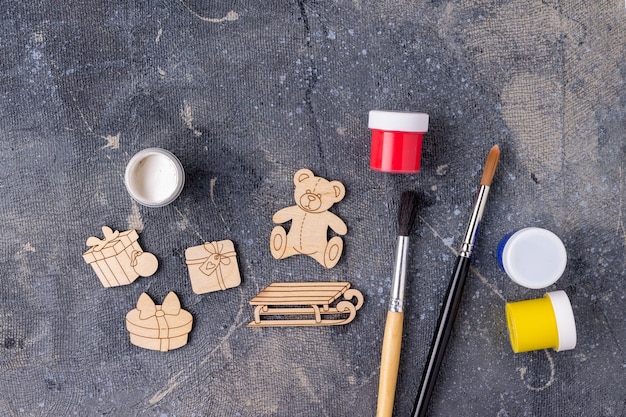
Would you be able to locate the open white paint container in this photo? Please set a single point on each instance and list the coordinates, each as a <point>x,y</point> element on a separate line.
<point>154,177</point>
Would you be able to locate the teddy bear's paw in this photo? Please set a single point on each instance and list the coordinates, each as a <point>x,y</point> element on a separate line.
<point>333,252</point>
<point>278,242</point>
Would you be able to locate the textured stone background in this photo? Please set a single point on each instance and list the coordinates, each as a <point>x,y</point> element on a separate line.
<point>247,92</point>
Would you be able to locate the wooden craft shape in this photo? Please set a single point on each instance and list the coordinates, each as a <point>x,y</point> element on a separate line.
<point>159,327</point>
<point>212,266</point>
<point>118,259</point>
<point>305,304</point>
<point>310,220</point>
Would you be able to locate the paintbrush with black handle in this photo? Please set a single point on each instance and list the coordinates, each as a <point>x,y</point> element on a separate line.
<point>455,289</point>
<point>392,339</point>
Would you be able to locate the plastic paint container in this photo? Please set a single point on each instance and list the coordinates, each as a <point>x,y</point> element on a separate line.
<point>154,177</point>
<point>543,323</point>
<point>396,141</point>
<point>532,257</point>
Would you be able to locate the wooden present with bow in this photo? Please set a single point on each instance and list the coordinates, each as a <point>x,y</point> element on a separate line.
<point>159,327</point>
<point>213,266</point>
<point>118,259</point>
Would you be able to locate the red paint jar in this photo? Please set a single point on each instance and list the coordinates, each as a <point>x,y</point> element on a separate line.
<point>396,141</point>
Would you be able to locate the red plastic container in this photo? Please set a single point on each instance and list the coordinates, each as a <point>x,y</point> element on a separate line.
<point>397,141</point>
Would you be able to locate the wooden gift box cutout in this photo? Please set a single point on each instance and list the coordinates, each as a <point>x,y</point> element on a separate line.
<point>310,221</point>
<point>213,266</point>
<point>308,304</point>
<point>118,259</point>
<point>159,327</point>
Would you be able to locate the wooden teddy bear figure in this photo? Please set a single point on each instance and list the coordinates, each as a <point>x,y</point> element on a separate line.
<point>310,220</point>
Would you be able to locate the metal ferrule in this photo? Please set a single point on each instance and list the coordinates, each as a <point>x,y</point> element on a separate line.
<point>467,248</point>
<point>396,304</point>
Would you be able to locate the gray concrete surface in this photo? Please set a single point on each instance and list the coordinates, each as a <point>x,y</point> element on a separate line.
<point>247,92</point>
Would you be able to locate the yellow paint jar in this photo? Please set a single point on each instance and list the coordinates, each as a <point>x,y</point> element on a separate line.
<point>542,323</point>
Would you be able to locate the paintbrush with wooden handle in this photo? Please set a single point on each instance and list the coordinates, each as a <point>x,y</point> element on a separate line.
<point>392,339</point>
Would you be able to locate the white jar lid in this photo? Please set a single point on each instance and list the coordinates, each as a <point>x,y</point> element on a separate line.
<point>534,257</point>
<point>565,323</point>
<point>154,177</point>
<point>398,121</point>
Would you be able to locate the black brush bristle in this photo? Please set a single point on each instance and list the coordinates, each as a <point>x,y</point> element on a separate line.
<point>407,212</point>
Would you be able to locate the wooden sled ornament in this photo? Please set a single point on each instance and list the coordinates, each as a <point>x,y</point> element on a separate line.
<point>158,327</point>
<point>308,304</point>
<point>118,259</point>
<point>310,221</point>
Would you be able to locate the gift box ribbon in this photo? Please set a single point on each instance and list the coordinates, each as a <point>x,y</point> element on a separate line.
<point>148,309</point>
<point>212,264</point>
<point>109,236</point>
<point>133,257</point>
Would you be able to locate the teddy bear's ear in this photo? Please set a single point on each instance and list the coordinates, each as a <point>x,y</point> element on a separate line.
<point>339,190</point>
<point>302,175</point>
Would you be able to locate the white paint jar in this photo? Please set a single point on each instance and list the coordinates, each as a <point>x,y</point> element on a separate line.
<point>154,177</point>
<point>532,257</point>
